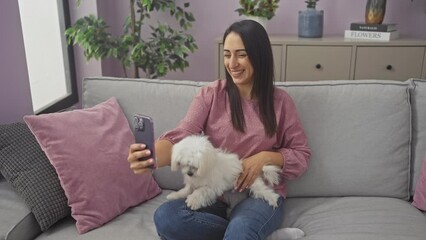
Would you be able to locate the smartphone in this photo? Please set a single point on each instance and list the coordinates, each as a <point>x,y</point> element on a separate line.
<point>143,129</point>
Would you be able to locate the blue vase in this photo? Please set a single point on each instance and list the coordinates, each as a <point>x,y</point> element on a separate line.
<point>311,23</point>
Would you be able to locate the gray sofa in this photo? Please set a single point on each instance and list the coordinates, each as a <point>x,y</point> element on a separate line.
<point>368,139</point>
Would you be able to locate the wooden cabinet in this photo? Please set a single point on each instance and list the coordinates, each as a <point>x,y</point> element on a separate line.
<point>305,59</point>
<point>397,63</point>
<point>308,62</point>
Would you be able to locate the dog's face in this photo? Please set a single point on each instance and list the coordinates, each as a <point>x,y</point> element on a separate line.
<point>193,156</point>
<point>188,166</point>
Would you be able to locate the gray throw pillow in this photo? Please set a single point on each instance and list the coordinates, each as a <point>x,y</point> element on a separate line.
<point>25,166</point>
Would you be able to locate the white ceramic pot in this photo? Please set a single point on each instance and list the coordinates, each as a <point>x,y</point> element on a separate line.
<point>260,20</point>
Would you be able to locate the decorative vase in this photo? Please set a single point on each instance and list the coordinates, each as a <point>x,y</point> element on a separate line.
<point>311,23</point>
<point>375,11</point>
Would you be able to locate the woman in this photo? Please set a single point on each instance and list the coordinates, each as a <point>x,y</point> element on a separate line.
<point>244,114</point>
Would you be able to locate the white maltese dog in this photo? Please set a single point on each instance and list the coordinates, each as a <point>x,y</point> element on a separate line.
<point>210,173</point>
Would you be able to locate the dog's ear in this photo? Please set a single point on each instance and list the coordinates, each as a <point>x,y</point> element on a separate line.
<point>207,159</point>
<point>202,168</point>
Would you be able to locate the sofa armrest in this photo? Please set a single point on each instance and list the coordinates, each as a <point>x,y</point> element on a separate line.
<point>26,229</point>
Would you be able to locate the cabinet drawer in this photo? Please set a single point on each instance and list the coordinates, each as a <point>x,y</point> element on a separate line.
<point>395,63</point>
<point>307,63</point>
<point>277,53</point>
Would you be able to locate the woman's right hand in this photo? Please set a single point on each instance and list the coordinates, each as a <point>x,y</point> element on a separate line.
<point>136,152</point>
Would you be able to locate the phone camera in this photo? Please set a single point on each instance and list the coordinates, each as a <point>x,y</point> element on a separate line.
<point>139,124</point>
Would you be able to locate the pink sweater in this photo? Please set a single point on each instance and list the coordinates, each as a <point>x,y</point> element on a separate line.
<point>209,113</point>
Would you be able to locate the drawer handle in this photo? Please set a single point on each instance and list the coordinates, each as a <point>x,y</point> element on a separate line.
<point>318,66</point>
<point>389,67</point>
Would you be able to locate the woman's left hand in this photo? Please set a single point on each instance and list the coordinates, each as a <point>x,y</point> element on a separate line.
<point>252,168</point>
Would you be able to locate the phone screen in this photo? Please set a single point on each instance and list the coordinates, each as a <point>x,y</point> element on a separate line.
<point>143,128</point>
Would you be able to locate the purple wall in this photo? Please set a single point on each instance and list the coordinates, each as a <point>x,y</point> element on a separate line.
<point>15,96</point>
<point>212,17</point>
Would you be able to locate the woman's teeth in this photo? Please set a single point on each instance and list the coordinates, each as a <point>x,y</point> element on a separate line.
<point>236,73</point>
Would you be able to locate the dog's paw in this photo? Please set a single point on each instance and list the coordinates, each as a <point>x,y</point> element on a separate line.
<point>172,196</point>
<point>272,199</point>
<point>195,202</point>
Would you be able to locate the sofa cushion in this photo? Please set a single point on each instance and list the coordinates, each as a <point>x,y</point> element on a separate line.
<point>166,101</point>
<point>89,149</point>
<point>13,210</point>
<point>27,228</point>
<point>359,130</point>
<point>136,223</point>
<point>359,133</point>
<point>355,218</point>
<point>168,179</point>
<point>28,170</point>
<point>418,101</point>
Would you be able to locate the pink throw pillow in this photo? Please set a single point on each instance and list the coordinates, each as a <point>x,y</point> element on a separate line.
<point>88,149</point>
<point>419,200</point>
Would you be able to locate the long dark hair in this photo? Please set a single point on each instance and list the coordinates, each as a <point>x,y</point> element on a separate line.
<point>259,52</point>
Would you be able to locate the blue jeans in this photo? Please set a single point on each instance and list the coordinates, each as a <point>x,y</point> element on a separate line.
<point>250,219</point>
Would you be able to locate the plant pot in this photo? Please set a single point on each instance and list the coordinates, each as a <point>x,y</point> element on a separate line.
<point>260,20</point>
<point>375,11</point>
<point>311,23</point>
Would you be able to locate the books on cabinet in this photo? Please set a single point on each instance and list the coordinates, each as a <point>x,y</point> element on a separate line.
<point>380,32</point>
<point>384,27</point>
<point>368,35</point>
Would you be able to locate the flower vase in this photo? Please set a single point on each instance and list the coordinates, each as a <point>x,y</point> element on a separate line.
<point>311,23</point>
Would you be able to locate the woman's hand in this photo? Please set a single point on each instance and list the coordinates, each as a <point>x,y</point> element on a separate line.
<point>136,152</point>
<point>253,167</point>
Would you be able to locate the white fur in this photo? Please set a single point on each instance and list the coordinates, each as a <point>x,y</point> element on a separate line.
<point>209,172</point>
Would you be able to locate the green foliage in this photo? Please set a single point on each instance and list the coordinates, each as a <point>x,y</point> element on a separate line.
<point>163,49</point>
<point>311,3</point>
<point>258,8</point>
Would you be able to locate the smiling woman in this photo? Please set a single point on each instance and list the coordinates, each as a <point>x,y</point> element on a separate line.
<point>49,59</point>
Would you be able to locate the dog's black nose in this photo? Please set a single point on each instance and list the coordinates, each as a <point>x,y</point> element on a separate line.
<point>190,174</point>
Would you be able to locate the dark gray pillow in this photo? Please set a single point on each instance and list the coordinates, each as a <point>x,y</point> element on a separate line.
<point>25,166</point>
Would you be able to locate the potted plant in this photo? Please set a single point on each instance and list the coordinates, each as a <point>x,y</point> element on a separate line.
<point>311,20</point>
<point>258,8</point>
<point>311,3</point>
<point>157,52</point>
